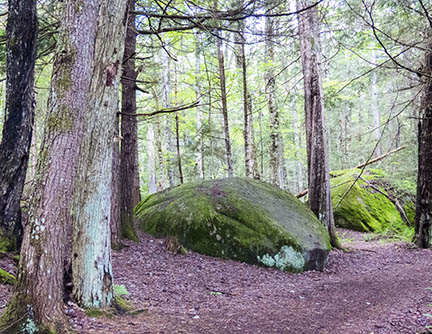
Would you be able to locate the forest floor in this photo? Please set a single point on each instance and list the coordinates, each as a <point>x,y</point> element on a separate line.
<point>376,287</point>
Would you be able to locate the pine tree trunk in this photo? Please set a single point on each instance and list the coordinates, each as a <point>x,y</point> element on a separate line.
<point>423,218</point>
<point>129,167</point>
<point>318,171</point>
<point>38,294</point>
<point>21,34</point>
<point>224,106</point>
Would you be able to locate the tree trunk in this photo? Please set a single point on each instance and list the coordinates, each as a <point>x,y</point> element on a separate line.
<point>129,167</point>
<point>375,109</point>
<point>38,296</point>
<point>224,106</point>
<point>199,152</point>
<point>21,34</point>
<point>299,164</point>
<point>91,249</point>
<point>169,146</point>
<point>318,171</point>
<point>423,218</point>
<point>115,194</point>
<point>152,188</point>
<point>271,105</point>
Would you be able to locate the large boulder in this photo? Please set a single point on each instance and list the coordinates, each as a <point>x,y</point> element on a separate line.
<point>367,205</point>
<point>240,219</point>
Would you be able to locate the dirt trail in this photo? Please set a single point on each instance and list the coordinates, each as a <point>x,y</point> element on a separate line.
<point>379,288</point>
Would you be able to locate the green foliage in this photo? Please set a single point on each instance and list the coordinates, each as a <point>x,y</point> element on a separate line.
<point>120,290</point>
<point>6,278</point>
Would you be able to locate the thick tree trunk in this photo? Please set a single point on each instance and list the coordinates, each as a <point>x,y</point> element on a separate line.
<point>318,171</point>
<point>224,106</point>
<point>91,250</point>
<point>38,295</point>
<point>21,32</point>
<point>129,167</point>
<point>423,218</point>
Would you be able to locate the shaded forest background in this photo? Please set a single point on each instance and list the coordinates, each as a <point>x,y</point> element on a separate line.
<point>371,104</point>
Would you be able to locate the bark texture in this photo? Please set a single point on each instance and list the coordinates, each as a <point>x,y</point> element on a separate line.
<point>38,296</point>
<point>21,34</point>
<point>275,159</point>
<point>91,249</point>
<point>423,219</point>
<point>115,219</point>
<point>317,156</point>
<point>129,167</point>
<point>224,107</point>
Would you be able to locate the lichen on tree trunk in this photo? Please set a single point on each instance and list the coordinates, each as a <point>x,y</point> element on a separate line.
<point>38,296</point>
<point>91,249</point>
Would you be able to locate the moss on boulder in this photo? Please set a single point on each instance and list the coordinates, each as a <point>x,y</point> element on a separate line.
<point>366,207</point>
<point>240,219</point>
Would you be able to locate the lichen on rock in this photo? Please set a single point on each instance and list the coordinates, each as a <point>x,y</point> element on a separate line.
<point>240,219</point>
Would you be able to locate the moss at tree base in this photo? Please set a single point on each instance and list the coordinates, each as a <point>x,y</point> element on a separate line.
<point>240,219</point>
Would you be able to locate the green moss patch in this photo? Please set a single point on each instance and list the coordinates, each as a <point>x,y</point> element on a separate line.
<point>237,218</point>
<point>6,278</point>
<point>366,207</point>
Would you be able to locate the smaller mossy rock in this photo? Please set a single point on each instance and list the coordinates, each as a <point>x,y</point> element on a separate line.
<point>240,219</point>
<point>364,208</point>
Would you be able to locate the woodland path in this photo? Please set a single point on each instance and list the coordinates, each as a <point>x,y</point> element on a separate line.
<point>377,287</point>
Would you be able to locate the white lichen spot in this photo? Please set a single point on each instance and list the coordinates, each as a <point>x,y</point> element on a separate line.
<point>288,259</point>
